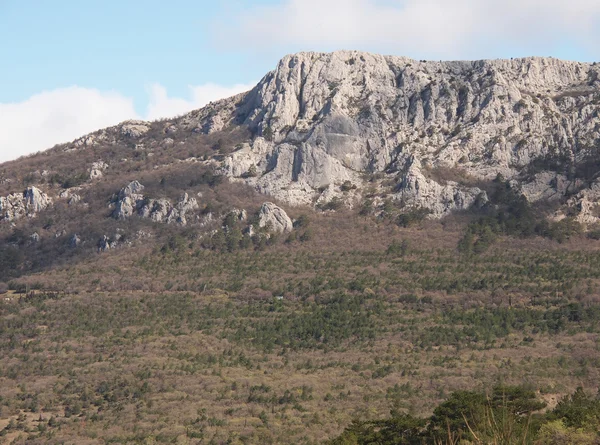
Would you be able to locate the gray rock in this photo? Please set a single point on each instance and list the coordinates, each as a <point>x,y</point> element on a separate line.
<point>416,190</point>
<point>125,207</point>
<point>133,190</point>
<point>184,208</point>
<point>26,204</point>
<point>240,215</point>
<point>74,199</point>
<point>36,200</point>
<point>163,211</point>
<point>104,244</point>
<point>130,198</point>
<point>97,170</point>
<point>275,218</point>
<point>131,201</point>
<point>327,118</point>
<point>134,129</point>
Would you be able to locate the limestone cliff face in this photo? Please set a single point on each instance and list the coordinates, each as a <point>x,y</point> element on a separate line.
<point>324,119</point>
<point>323,124</point>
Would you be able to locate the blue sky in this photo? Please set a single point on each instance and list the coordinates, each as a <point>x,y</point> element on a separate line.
<point>118,45</point>
<point>70,67</point>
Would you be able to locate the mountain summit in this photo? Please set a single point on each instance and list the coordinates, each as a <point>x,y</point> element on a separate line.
<point>324,119</point>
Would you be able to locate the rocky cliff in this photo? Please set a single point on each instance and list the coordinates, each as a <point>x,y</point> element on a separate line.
<point>325,119</point>
<point>339,126</point>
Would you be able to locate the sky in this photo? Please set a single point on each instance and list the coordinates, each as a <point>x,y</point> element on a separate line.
<point>69,67</point>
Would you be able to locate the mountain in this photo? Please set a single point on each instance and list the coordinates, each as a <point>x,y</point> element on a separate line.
<point>345,129</point>
<point>358,235</point>
<point>434,130</point>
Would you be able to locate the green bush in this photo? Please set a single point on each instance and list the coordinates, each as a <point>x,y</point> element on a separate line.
<point>509,414</point>
<point>412,217</point>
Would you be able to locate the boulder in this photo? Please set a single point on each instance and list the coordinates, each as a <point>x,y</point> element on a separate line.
<point>105,244</point>
<point>36,200</point>
<point>130,198</point>
<point>74,199</point>
<point>133,190</point>
<point>275,218</point>
<point>163,211</point>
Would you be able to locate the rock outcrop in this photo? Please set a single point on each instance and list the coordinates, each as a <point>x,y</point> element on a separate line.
<point>131,201</point>
<point>105,244</point>
<point>323,119</point>
<point>26,204</point>
<point>161,210</point>
<point>274,218</point>
<point>97,170</point>
<point>75,241</point>
<point>134,129</point>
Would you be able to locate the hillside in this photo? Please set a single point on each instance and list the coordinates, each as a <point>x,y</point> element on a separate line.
<point>356,234</point>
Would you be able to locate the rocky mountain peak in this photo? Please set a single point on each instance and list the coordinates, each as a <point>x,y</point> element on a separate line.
<point>326,119</point>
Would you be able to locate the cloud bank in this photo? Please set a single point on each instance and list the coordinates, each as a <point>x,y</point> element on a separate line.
<point>65,114</point>
<point>447,29</point>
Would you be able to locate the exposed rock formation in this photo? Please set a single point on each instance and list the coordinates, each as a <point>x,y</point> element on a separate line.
<point>134,129</point>
<point>130,197</point>
<point>416,190</point>
<point>131,201</point>
<point>275,218</point>
<point>75,241</point>
<point>161,210</point>
<point>328,118</point>
<point>71,197</point>
<point>97,170</point>
<point>26,204</point>
<point>105,244</point>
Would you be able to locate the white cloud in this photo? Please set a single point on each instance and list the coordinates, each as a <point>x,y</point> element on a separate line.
<point>161,105</point>
<point>57,116</point>
<point>65,114</point>
<point>436,28</point>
